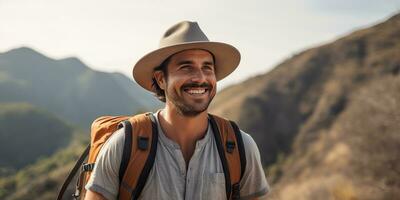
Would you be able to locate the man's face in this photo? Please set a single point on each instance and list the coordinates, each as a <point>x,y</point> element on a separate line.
<point>191,83</point>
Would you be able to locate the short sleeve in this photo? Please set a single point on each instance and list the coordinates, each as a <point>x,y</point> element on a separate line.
<point>254,183</point>
<point>105,175</point>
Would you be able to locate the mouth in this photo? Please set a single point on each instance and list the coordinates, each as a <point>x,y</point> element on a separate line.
<point>196,91</point>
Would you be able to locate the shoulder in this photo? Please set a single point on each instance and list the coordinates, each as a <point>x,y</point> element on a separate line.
<point>254,183</point>
<point>253,158</point>
<point>247,139</point>
<point>250,145</point>
<point>105,176</point>
<point>115,141</point>
<point>112,149</point>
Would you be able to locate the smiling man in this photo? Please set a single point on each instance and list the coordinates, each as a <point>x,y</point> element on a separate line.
<point>190,161</point>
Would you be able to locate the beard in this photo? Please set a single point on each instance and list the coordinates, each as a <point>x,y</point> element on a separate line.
<point>190,107</point>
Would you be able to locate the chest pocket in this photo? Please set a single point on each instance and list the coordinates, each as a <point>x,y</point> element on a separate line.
<point>214,186</point>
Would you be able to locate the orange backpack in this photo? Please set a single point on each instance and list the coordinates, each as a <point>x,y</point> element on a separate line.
<point>140,149</point>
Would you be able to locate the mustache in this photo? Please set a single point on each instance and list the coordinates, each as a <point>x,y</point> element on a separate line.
<point>206,85</point>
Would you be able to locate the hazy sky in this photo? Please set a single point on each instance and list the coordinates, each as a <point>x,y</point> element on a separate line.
<point>113,35</point>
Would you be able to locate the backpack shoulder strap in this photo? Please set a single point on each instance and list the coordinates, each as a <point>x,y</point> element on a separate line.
<point>73,172</point>
<point>126,154</point>
<point>139,161</point>
<point>231,151</point>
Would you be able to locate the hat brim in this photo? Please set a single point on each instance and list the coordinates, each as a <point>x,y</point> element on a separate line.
<point>227,58</point>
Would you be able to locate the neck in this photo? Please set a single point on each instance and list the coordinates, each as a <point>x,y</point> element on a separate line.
<point>183,129</point>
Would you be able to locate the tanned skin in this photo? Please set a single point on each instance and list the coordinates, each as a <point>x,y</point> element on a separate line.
<point>187,70</point>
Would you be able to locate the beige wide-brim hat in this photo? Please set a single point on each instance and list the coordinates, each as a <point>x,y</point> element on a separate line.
<point>183,36</point>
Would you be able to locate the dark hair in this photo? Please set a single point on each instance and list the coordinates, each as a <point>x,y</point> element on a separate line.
<point>158,92</point>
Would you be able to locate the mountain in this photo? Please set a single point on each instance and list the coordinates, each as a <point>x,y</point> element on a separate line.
<point>326,119</point>
<point>28,133</point>
<point>69,88</point>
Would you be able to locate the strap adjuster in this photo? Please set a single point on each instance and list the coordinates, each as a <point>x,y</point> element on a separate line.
<point>143,143</point>
<point>88,167</point>
<point>230,146</point>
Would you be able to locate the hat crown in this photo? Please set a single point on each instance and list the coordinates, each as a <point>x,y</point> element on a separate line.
<point>183,32</point>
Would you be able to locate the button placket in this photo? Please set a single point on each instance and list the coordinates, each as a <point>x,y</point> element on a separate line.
<point>182,163</point>
<point>190,173</point>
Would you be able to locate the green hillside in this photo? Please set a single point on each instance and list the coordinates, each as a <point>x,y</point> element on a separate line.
<point>43,179</point>
<point>28,133</point>
<point>68,88</point>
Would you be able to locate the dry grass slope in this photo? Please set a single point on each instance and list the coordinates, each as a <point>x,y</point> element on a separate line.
<point>326,120</point>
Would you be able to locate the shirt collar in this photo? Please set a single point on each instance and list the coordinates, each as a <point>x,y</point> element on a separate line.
<point>172,144</point>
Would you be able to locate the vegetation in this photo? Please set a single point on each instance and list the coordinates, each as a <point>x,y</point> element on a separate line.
<point>325,119</point>
<point>27,133</point>
<point>356,157</point>
<point>42,103</point>
<point>43,178</point>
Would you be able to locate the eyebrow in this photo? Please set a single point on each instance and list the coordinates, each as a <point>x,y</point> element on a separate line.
<point>185,62</point>
<point>208,63</point>
<point>190,62</point>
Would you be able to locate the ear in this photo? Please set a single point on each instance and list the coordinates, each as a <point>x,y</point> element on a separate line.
<point>160,78</point>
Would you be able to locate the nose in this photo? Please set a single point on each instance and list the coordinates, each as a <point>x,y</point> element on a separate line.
<point>198,76</point>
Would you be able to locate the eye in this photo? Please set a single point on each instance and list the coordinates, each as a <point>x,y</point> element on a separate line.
<point>209,67</point>
<point>184,67</point>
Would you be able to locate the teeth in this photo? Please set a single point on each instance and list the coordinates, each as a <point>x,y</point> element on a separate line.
<point>196,91</point>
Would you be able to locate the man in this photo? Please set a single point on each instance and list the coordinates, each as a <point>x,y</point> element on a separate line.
<point>183,73</point>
